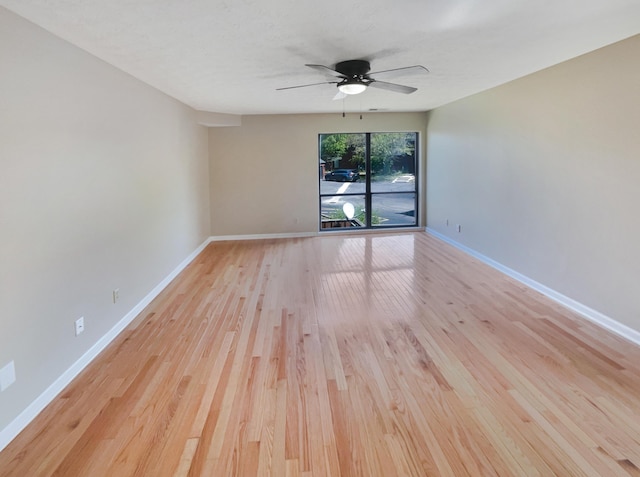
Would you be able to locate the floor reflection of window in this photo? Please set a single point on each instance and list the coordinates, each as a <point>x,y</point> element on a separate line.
<point>368,272</point>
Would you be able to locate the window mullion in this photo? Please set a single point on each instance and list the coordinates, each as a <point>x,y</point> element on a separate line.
<point>367,195</point>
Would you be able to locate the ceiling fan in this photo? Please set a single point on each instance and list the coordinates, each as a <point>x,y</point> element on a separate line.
<point>354,78</point>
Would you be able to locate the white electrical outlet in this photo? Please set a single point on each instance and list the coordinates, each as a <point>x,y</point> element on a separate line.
<point>116,295</point>
<point>79,325</point>
<point>7,376</point>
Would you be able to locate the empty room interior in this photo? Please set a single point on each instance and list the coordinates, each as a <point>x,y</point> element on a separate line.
<point>319,239</point>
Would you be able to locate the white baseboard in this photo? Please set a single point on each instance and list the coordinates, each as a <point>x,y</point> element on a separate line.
<point>589,313</point>
<point>222,238</point>
<point>25,417</point>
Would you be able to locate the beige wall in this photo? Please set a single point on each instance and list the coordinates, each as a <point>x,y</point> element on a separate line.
<point>543,174</point>
<point>264,174</point>
<point>103,185</point>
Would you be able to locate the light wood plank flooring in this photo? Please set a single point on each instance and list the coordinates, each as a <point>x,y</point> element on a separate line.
<point>370,355</point>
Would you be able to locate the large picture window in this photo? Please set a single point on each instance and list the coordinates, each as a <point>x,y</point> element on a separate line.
<point>368,180</point>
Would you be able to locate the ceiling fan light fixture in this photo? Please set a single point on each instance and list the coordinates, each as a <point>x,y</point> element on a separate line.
<point>352,86</point>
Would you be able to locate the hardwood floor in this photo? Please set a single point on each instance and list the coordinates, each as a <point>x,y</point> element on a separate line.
<point>372,355</point>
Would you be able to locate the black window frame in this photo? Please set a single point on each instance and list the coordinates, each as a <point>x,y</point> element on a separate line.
<point>369,194</point>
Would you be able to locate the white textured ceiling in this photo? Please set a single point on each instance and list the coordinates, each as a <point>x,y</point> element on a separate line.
<point>229,56</point>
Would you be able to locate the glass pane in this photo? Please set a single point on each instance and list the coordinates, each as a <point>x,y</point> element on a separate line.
<point>393,162</point>
<point>339,212</point>
<point>393,209</point>
<point>342,163</point>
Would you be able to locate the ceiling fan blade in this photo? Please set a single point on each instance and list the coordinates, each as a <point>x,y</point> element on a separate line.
<point>327,70</point>
<point>403,70</point>
<point>339,95</point>
<point>396,88</point>
<point>305,85</point>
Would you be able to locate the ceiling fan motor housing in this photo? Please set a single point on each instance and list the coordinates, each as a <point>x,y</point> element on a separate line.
<point>353,68</point>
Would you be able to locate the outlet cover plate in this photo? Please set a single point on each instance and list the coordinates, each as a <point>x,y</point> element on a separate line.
<point>79,325</point>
